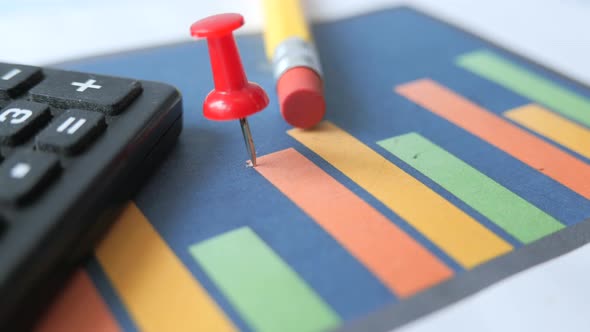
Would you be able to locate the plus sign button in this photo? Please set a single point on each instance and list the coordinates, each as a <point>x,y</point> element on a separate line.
<point>65,90</point>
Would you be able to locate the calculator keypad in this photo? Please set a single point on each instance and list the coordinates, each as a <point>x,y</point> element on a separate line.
<point>93,92</point>
<point>46,116</point>
<point>24,173</point>
<point>71,131</point>
<point>16,79</point>
<point>21,119</point>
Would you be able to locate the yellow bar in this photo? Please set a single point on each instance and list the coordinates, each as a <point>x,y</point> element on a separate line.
<point>283,19</point>
<point>456,233</point>
<point>157,289</point>
<point>561,130</point>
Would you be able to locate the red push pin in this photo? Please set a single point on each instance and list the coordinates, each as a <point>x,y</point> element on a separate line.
<point>233,97</point>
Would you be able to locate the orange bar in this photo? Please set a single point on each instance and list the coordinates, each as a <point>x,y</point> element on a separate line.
<point>402,264</point>
<point>158,291</point>
<point>520,144</point>
<point>456,233</point>
<point>555,127</point>
<point>78,308</point>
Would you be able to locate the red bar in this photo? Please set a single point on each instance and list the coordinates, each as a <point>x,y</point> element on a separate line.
<point>78,308</point>
<point>396,259</point>
<point>520,144</point>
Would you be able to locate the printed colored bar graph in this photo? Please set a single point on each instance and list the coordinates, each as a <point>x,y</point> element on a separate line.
<point>516,216</point>
<point>79,307</point>
<point>397,260</point>
<point>157,289</point>
<point>527,83</point>
<point>546,123</point>
<point>520,144</point>
<point>456,233</point>
<point>264,290</point>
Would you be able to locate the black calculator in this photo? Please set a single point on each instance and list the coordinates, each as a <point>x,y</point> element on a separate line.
<point>73,149</point>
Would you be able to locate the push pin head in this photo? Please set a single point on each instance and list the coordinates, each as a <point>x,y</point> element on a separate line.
<point>233,97</point>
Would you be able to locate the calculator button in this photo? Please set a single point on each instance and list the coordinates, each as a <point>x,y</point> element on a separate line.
<point>25,173</point>
<point>16,79</point>
<point>71,131</point>
<point>21,119</point>
<point>85,91</point>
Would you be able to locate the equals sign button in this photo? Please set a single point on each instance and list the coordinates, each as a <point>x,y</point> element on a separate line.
<point>12,73</point>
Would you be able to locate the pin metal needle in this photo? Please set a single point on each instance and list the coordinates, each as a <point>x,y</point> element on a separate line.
<point>248,140</point>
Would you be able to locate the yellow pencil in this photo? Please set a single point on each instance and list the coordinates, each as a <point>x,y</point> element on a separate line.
<point>296,65</point>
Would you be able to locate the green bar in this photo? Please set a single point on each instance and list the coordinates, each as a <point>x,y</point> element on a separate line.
<point>528,84</point>
<point>509,211</point>
<point>265,291</point>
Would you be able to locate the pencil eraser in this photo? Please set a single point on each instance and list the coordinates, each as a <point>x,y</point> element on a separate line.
<point>301,97</point>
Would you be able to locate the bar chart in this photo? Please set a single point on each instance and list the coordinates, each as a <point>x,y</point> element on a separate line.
<point>458,158</point>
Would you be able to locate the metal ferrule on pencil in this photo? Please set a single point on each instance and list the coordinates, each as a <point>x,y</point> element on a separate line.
<point>295,52</point>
